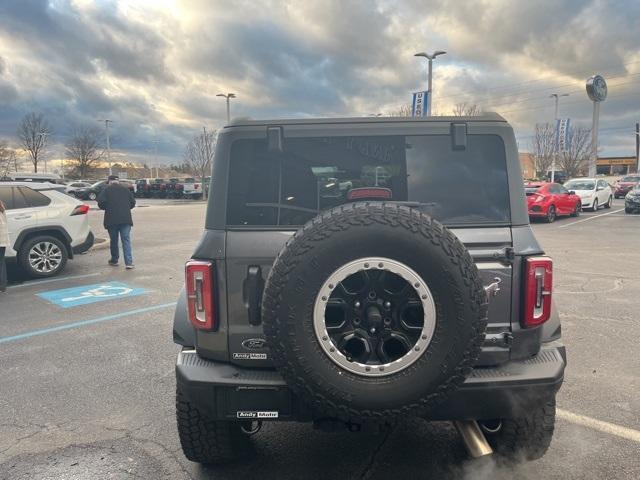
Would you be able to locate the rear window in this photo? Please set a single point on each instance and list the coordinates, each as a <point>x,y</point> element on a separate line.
<point>33,198</point>
<point>630,179</point>
<point>313,174</point>
<point>531,190</point>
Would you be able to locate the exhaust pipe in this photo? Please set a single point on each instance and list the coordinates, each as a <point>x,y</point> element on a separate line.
<point>473,438</point>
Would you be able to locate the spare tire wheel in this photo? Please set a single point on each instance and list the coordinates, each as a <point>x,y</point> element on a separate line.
<point>374,310</point>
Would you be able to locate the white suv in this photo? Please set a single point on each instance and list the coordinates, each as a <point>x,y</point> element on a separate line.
<point>46,226</point>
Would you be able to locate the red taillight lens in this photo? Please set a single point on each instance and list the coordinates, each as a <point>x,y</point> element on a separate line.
<point>196,186</point>
<point>200,288</point>
<point>537,289</point>
<point>80,210</point>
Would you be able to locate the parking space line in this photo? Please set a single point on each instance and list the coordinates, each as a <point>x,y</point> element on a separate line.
<point>51,280</point>
<point>601,426</point>
<point>115,316</point>
<point>590,218</point>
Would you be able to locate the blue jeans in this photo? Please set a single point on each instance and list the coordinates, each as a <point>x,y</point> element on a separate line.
<point>124,232</point>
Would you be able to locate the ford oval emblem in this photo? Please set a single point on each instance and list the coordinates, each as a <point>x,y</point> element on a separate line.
<point>254,343</point>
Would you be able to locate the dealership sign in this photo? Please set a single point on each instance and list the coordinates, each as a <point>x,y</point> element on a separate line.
<point>419,106</point>
<point>563,134</point>
<point>597,88</point>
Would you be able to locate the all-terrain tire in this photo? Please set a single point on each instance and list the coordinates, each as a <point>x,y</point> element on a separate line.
<point>385,230</point>
<point>527,437</point>
<point>205,440</point>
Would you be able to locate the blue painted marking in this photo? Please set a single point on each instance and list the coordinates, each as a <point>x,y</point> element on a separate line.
<point>81,323</point>
<point>97,292</point>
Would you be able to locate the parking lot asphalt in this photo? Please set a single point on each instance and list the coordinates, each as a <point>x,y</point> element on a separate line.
<point>88,391</point>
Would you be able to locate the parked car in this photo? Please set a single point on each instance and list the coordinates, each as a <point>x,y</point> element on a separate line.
<point>174,188</point>
<point>92,192</point>
<point>632,200</point>
<point>143,188</point>
<point>46,227</point>
<point>310,303</point>
<point>191,188</point>
<point>73,187</point>
<point>158,188</point>
<point>624,185</point>
<point>594,192</point>
<point>551,200</point>
<point>559,176</point>
<point>36,177</point>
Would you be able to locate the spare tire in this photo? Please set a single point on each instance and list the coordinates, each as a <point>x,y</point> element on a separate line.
<point>372,311</point>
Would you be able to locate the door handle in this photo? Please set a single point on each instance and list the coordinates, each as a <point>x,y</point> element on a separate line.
<point>22,217</point>
<point>254,284</point>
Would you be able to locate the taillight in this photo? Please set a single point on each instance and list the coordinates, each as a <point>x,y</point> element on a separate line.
<point>537,288</point>
<point>200,288</point>
<point>196,186</point>
<point>80,210</point>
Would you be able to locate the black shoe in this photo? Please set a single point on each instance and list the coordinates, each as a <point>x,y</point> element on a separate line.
<point>113,264</point>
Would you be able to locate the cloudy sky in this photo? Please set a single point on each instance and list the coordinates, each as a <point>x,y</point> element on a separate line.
<point>154,67</point>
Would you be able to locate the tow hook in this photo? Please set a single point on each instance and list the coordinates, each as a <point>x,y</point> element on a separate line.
<point>493,288</point>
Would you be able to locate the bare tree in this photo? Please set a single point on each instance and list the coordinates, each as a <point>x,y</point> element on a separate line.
<point>198,154</point>
<point>83,150</point>
<point>8,159</point>
<point>33,132</point>
<point>578,151</point>
<point>464,109</point>
<point>404,110</point>
<point>543,148</point>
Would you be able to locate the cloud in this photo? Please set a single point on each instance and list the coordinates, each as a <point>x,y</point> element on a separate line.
<point>154,68</point>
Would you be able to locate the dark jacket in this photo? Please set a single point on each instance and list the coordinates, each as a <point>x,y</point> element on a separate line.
<point>117,201</point>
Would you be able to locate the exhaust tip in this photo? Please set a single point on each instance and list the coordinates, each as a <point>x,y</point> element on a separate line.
<point>473,438</point>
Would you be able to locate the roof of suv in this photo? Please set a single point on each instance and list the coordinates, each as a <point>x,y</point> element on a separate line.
<point>34,185</point>
<point>485,117</point>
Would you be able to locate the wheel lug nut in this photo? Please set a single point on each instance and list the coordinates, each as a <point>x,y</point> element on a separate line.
<point>357,304</point>
<point>373,330</point>
<point>387,304</point>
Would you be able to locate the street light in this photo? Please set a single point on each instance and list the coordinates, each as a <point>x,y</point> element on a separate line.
<point>227,96</point>
<point>430,58</point>
<point>556,96</point>
<point>42,139</point>
<point>106,128</point>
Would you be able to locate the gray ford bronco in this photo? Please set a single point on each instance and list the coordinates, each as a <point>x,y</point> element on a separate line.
<point>355,271</point>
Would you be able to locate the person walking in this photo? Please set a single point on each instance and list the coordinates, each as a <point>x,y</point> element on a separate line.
<point>4,244</point>
<point>117,201</point>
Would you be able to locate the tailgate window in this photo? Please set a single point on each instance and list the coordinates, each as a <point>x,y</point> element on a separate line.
<point>457,187</point>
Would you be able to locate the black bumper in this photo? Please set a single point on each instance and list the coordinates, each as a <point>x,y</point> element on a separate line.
<point>229,392</point>
<point>84,246</point>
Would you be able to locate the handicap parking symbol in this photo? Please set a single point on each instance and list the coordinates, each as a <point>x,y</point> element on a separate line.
<point>97,292</point>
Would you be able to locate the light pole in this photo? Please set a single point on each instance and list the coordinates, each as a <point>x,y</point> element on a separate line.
<point>555,96</point>
<point>228,96</point>
<point>106,128</point>
<point>42,140</point>
<point>430,58</point>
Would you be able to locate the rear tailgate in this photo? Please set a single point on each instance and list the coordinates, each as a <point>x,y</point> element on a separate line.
<point>250,255</point>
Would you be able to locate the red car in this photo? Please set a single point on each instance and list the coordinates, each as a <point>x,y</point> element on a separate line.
<point>551,200</point>
<point>625,184</point>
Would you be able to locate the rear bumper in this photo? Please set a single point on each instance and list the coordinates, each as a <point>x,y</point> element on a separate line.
<point>229,392</point>
<point>86,245</point>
